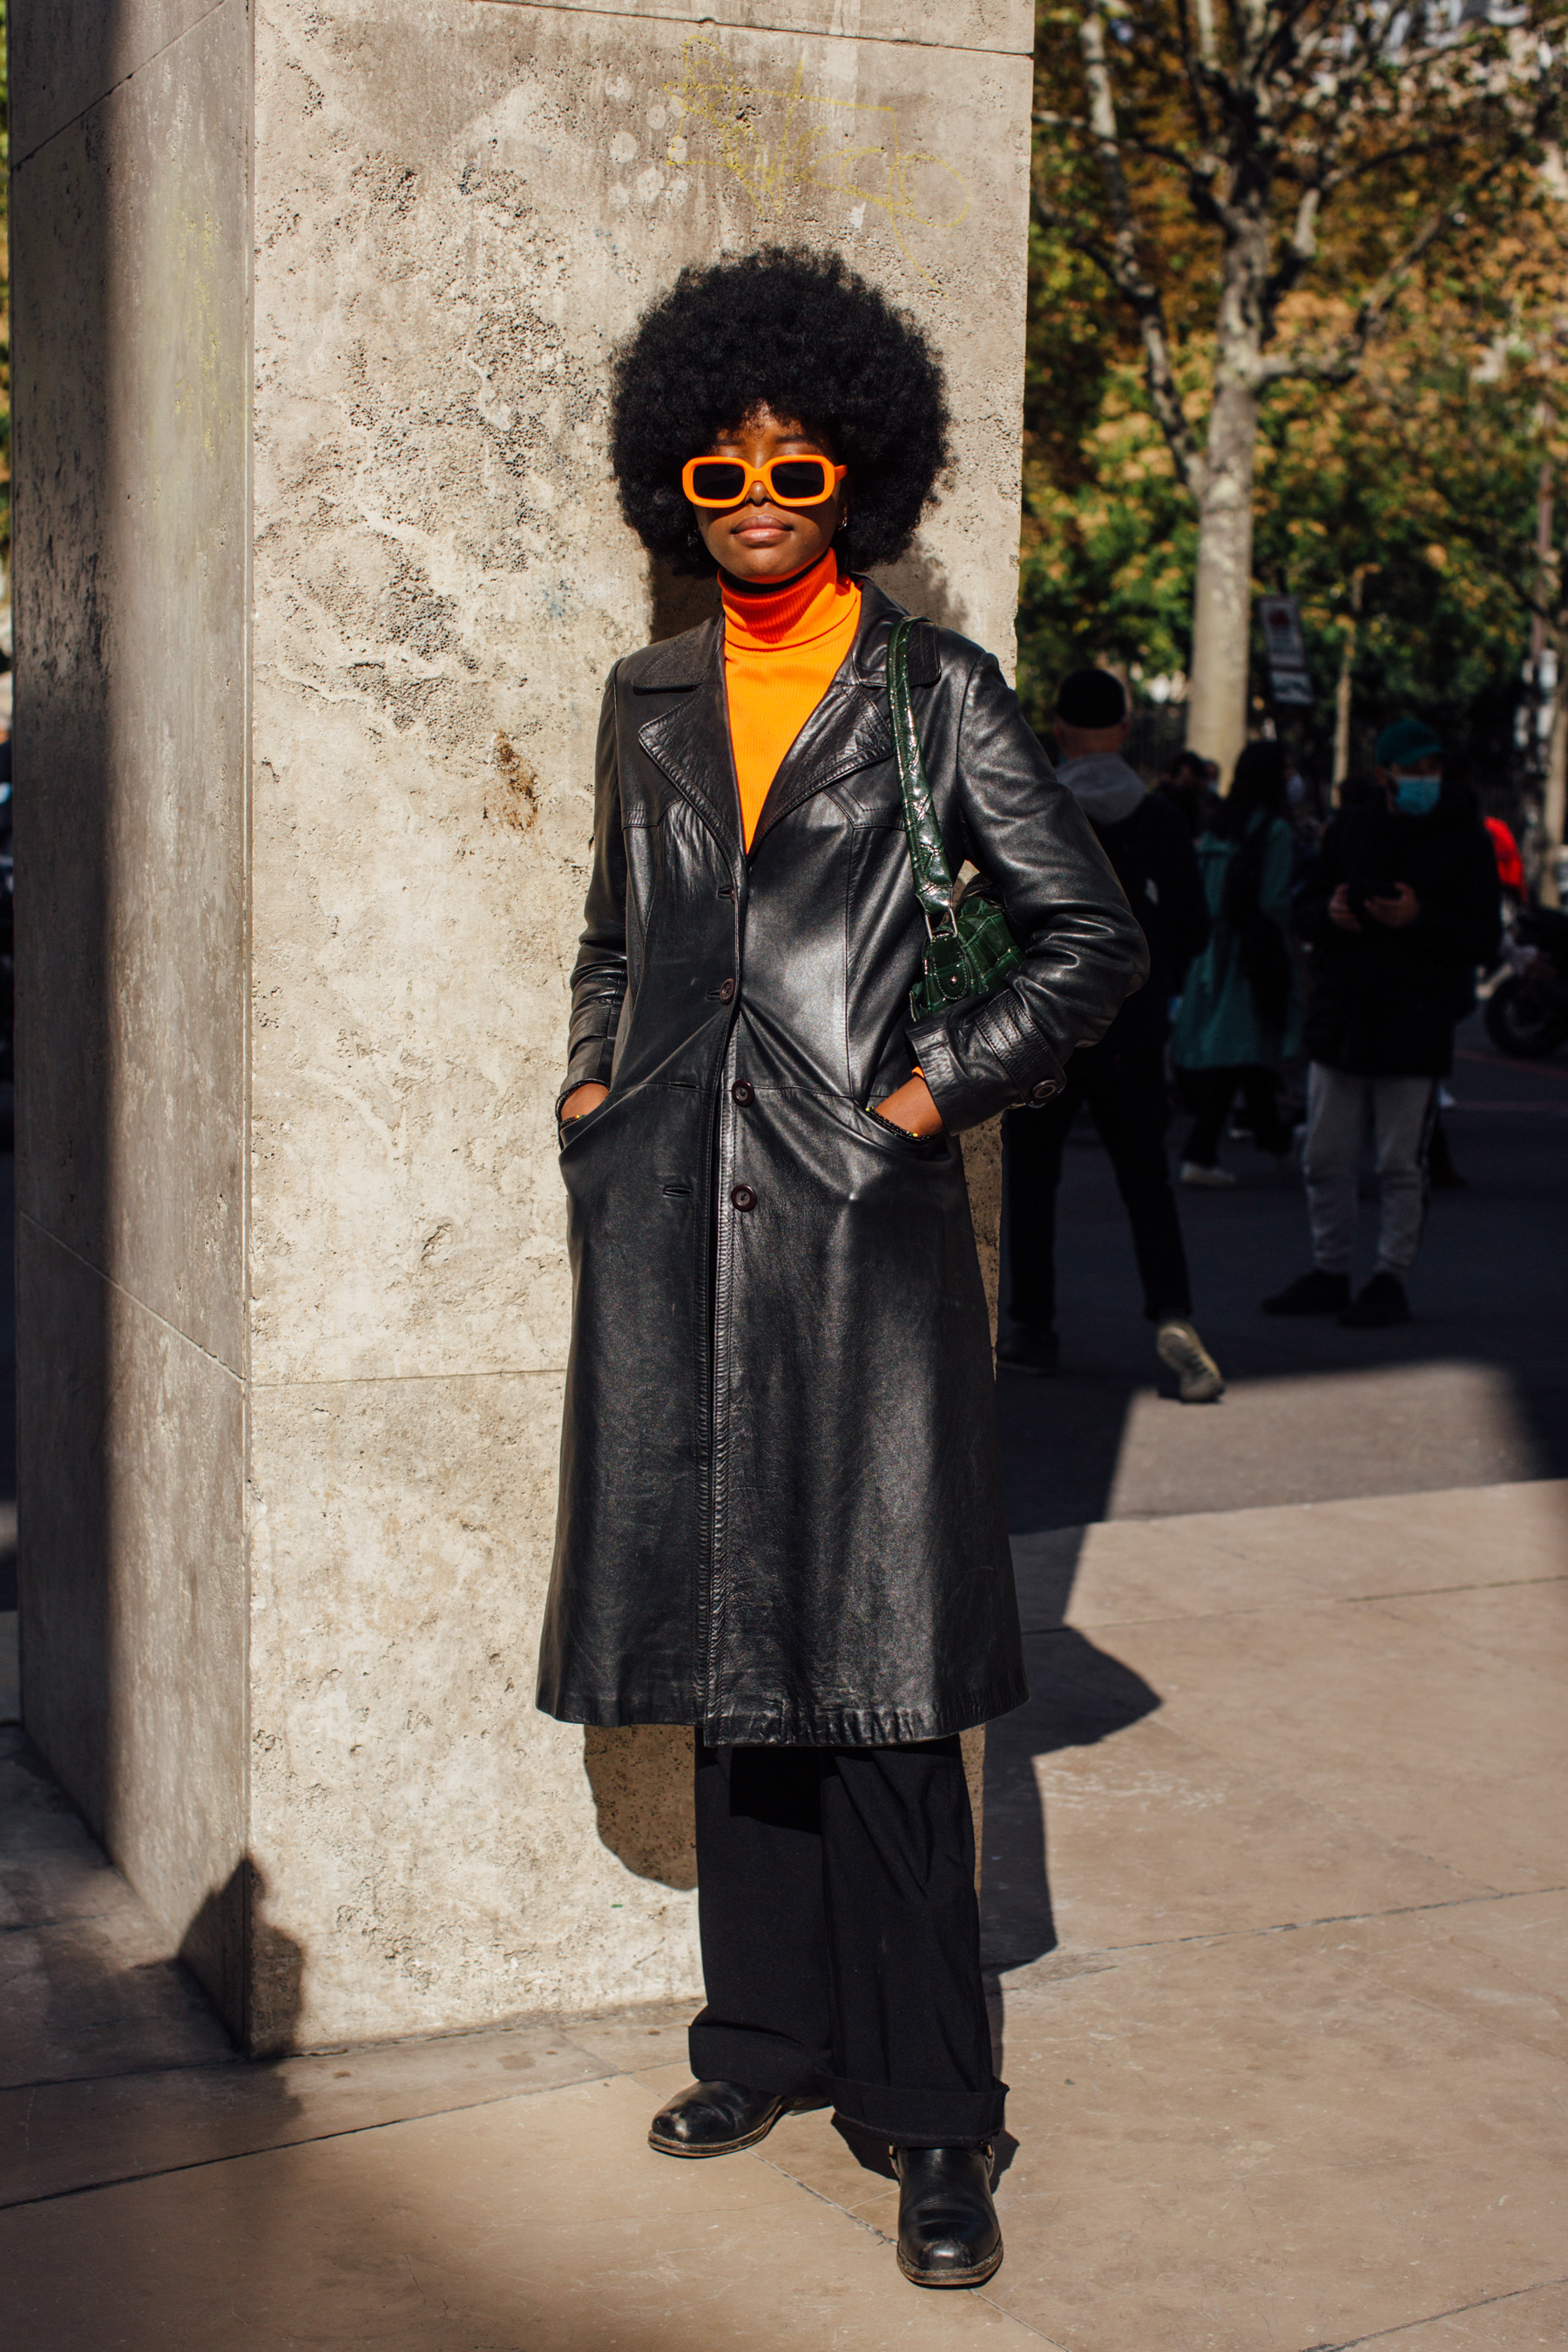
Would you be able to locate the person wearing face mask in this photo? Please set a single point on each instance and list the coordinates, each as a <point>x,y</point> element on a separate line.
<point>1399,907</point>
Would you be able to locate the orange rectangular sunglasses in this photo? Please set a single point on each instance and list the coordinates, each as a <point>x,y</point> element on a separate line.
<point>789,481</point>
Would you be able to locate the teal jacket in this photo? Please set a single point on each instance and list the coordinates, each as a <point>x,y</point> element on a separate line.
<point>1217,1027</point>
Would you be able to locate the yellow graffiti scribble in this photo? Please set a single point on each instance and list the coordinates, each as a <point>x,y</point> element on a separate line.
<point>776,141</point>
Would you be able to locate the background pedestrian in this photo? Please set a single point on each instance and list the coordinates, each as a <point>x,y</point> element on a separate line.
<point>1185,787</point>
<point>1239,1016</point>
<point>1122,1078</point>
<point>1399,908</point>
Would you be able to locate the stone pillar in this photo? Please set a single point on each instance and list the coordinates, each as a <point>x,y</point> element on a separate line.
<point>318,574</point>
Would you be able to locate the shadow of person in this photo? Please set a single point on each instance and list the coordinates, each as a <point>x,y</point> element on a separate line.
<point>253,1971</point>
<point>1079,1696</point>
<point>920,582</point>
<point>641,1780</point>
<point>676,603</point>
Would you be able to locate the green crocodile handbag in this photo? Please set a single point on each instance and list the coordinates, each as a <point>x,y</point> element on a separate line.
<point>970,950</point>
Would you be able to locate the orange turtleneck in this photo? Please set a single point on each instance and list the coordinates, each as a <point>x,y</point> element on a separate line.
<point>782,648</point>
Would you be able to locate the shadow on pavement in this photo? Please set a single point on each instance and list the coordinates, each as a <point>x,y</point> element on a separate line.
<point>1473,1391</point>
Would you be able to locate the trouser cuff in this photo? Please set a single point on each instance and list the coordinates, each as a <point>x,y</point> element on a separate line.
<point>904,2117</point>
<point>919,2119</point>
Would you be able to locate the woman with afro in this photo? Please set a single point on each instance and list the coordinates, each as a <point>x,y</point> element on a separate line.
<point>780,1515</point>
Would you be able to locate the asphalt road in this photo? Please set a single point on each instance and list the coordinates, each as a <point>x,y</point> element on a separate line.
<point>1474,1391</point>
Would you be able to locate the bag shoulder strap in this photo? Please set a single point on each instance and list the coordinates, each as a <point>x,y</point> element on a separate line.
<point>928,856</point>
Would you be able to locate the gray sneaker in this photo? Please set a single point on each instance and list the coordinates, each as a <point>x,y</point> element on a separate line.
<point>1199,1378</point>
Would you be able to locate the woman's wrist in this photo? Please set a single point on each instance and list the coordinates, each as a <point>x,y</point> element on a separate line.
<point>892,1125</point>
<point>912,1109</point>
<point>585,1097</point>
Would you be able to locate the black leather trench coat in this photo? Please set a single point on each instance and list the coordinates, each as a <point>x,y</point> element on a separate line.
<point>780,1509</point>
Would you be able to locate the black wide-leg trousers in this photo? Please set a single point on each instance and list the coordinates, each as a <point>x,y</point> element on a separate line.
<point>1125,1092</point>
<point>841,1937</point>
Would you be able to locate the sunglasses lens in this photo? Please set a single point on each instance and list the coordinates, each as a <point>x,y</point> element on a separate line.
<point>720,480</point>
<point>802,479</point>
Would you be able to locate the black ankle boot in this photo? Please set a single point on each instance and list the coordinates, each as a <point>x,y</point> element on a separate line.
<point>717,2118</point>
<point>948,2232</point>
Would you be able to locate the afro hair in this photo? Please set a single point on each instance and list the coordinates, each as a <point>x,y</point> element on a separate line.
<point>798,333</point>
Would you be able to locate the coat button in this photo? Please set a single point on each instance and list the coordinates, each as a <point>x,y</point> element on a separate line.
<point>743,1092</point>
<point>743,1197</point>
<point>725,991</point>
<point>1042,1093</point>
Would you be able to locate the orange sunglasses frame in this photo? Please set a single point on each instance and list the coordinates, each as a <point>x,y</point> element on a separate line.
<point>762,474</point>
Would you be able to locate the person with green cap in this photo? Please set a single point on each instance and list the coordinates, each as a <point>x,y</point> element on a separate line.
<point>1399,907</point>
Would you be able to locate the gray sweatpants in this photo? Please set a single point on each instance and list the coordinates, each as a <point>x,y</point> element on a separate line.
<point>1340,1109</point>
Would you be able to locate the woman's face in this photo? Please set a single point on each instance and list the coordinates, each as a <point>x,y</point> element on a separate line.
<point>756,539</point>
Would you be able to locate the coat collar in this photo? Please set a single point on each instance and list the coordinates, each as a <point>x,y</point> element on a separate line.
<point>690,741</point>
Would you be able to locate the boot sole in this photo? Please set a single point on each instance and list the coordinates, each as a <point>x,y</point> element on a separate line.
<point>975,2277</point>
<point>733,2146</point>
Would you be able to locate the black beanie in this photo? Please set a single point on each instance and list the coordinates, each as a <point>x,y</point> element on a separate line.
<point>1091,698</point>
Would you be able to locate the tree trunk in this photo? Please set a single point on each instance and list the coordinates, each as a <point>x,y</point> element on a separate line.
<point>1344,691</point>
<point>1342,708</point>
<point>1222,601</point>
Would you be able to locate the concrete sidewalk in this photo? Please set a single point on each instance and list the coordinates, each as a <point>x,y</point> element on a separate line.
<point>1277,1894</point>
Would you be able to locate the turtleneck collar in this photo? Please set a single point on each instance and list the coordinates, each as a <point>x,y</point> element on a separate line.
<point>764,615</point>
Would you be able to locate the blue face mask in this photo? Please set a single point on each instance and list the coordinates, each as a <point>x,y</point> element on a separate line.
<point>1415,795</point>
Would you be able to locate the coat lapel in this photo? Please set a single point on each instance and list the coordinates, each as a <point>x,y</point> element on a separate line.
<point>849,729</point>
<point>689,741</point>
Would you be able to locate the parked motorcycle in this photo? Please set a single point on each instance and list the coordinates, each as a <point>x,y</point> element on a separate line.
<point>1527,1007</point>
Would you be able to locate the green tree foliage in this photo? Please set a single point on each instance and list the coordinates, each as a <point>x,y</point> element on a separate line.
<point>1421,467</point>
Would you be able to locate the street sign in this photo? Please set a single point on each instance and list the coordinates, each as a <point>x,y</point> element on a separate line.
<point>1285,645</point>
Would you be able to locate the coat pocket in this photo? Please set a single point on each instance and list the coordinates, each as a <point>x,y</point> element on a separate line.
<point>884,1136</point>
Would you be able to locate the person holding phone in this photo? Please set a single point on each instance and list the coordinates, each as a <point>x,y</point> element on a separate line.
<point>1398,908</point>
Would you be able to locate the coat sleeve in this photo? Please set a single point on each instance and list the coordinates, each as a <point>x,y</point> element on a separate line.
<point>1083,951</point>
<point>599,975</point>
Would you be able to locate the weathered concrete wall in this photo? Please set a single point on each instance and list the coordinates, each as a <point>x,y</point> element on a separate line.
<point>130,205</point>
<point>459,206</point>
<point>442,584</point>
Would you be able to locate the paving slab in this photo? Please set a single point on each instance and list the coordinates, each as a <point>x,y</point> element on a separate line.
<point>1505,2323</point>
<point>1257,2142</point>
<point>543,2225</point>
<point>1116,1571</point>
<point>1392,1723</point>
<point>66,2136</point>
<point>1153,1836</point>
